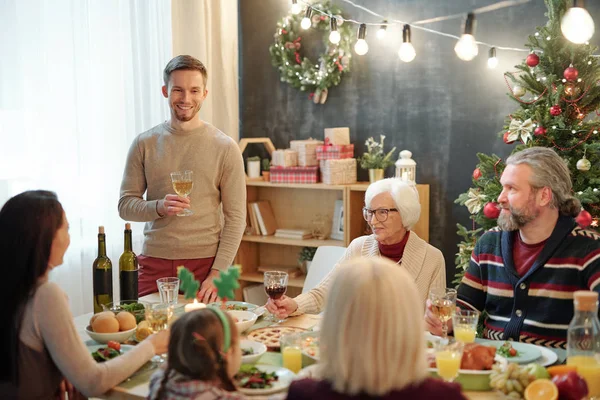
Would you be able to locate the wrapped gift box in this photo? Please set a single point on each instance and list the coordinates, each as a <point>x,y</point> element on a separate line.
<point>338,172</point>
<point>284,158</point>
<point>294,174</point>
<point>307,151</point>
<point>335,152</point>
<point>337,136</point>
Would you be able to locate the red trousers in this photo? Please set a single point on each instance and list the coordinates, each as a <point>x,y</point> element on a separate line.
<point>152,268</point>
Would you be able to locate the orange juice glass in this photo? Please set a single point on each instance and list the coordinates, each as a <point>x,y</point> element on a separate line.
<point>448,355</point>
<point>464,323</point>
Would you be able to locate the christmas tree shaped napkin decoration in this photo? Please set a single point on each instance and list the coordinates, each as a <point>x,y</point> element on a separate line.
<point>187,283</point>
<point>227,282</point>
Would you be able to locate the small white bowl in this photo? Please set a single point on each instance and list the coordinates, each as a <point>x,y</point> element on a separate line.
<point>258,348</point>
<point>106,337</point>
<point>245,319</point>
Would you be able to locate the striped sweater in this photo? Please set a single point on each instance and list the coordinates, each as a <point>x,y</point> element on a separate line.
<point>537,307</point>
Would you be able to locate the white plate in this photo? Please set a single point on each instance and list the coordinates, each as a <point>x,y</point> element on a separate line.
<point>149,366</point>
<point>548,357</point>
<point>285,379</point>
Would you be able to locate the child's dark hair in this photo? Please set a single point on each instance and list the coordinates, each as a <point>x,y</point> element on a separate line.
<point>199,359</point>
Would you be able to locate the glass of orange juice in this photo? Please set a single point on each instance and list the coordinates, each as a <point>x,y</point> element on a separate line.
<point>464,323</point>
<point>448,355</point>
<point>290,345</point>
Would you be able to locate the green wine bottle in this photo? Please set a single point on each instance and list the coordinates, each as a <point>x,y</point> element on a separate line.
<point>128,269</point>
<point>103,285</point>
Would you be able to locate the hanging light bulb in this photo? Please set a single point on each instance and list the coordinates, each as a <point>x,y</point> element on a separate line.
<point>306,22</point>
<point>361,47</point>
<point>296,8</point>
<point>492,59</point>
<point>577,24</point>
<point>334,36</point>
<point>382,29</point>
<point>466,47</point>
<point>407,51</point>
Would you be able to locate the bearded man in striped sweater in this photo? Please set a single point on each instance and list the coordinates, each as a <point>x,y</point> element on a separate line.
<point>523,273</point>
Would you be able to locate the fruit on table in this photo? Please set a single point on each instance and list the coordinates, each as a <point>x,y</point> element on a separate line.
<point>512,381</point>
<point>538,371</point>
<point>571,386</point>
<point>541,389</point>
<point>101,315</point>
<point>142,331</point>
<point>561,369</point>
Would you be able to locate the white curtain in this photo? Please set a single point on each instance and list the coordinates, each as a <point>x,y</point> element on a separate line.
<point>79,79</point>
<point>208,30</point>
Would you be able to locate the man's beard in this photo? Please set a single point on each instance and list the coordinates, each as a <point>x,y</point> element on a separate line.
<point>516,219</point>
<point>182,117</point>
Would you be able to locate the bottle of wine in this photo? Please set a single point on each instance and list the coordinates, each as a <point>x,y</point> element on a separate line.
<point>128,269</point>
<point>103,286</point>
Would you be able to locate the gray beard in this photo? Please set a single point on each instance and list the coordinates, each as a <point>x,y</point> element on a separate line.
<point>514,220</point>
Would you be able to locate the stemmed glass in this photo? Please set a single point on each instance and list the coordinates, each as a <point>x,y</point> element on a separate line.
<point>183,183</point>
<point>158,316</point>
<point>276,283</point>
<point>443,305</point>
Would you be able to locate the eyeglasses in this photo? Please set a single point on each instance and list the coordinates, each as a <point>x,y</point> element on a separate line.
<point>381,214</point>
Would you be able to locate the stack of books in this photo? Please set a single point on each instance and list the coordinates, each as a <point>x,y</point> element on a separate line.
<point>293,233</point>
<point>261,220</point>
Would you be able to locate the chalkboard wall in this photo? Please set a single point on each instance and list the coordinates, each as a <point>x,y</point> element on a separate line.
<point>442,109</point>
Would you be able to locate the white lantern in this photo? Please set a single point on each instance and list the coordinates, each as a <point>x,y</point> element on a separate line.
<point>406,167</point>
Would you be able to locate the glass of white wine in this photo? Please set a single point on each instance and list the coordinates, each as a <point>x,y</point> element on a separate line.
<point>443,305</point>
<point>183,183</point>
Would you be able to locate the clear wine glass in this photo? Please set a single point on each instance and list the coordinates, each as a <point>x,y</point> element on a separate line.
<point>276,283</point>
<point>443,305</point>
<point>183,183</point>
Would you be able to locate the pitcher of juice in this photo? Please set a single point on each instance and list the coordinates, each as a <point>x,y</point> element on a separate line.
<point>583,340</point>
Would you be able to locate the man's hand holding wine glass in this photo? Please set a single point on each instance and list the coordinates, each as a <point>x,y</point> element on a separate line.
<point>172,204</point>
<point>282,307</point>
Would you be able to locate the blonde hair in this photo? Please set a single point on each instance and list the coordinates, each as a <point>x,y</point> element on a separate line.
<point>405,196</point>
<point>372,334</point>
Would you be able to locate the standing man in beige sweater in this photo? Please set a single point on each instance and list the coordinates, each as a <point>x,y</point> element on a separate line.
<point>199,241</point>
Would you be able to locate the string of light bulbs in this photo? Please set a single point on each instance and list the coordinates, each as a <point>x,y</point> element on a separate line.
<point>576,25</point>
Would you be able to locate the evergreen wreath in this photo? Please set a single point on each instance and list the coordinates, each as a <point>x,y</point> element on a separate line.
<point>299,71</point>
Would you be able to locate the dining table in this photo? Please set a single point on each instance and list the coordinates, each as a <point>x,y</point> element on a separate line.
<point>137,387</point>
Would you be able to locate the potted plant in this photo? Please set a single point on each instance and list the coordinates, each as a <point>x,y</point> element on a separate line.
<point>375,159</point>
<point>266,169</point>
<point>253,166</point>
<point>305,258</point>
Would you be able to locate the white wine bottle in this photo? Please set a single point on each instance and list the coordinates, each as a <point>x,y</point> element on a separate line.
<point>128,269</point>
<point>103,284</point>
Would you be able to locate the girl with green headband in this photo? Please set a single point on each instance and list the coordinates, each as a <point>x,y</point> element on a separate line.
<point>204,355</point>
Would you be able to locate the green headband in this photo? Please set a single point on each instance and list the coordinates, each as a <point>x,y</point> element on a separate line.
<point>226,328</point>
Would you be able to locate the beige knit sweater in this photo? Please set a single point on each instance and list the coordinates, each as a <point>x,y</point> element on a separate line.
<point>424,262</point>
<point>219,180</point>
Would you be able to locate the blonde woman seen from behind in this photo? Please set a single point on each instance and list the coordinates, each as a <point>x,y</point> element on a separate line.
<point>372,342</point>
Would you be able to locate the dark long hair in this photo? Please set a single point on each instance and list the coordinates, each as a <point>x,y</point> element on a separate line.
<point>195,349</point>
<point>28,224</point>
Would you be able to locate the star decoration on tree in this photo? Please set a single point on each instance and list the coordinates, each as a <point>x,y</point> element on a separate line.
<point>187,283</point>
<point>227,282</point>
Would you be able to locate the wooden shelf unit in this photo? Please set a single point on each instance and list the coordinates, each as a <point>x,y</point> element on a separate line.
<point>295,206</point>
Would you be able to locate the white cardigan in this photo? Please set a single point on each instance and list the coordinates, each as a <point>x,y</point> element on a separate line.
<point>424,262</point>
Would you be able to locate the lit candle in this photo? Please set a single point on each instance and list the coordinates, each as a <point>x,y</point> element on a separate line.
<point>405,176</point>
<point>194,306</point>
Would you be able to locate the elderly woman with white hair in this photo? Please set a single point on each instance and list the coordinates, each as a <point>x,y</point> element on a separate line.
<point>372,342</point>
<point>392,208</point>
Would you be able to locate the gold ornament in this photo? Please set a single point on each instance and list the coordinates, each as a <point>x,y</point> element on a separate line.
<point>584,164</point>
<point>519,91</point>
<point>572,89</point>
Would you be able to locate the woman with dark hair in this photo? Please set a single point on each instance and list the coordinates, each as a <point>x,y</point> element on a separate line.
<point>39,344</point>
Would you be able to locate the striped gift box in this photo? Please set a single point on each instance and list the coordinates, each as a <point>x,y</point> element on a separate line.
<point>294,174</point>
<point>335,152</point>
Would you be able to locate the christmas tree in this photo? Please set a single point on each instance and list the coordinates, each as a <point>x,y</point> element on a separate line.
<point>556,89</point>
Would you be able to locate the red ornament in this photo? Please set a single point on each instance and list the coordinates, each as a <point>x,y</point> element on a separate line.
<point>532,60</point>
<point>555,110</point>
<point>491,210</point>
<point>477,174</point>
<point>505,138</point>
<point>539,131</point>
<point>584,219</point>
<point>571,74</point>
